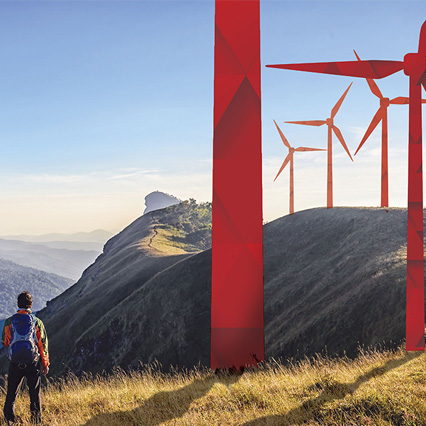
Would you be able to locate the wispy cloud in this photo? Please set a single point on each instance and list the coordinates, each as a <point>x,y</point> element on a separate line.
<point>134,174</point>
<point>45,178</point>
<point>60,179</point>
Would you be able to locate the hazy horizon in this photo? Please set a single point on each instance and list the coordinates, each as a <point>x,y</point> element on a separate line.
<point>114,231</point>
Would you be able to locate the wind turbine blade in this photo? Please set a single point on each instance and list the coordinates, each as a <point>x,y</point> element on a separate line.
<point>342,141</point>
<point>356,54</point>
<point>422,40</point>
<point>308,123</point>
<point>287,159</point>
<point>366,69</point>
<point>285,141</point>
<point>303,149</point>
<point>423,79</point>
<point>373,86</point>
<point>374,122</point>
<point>400,100</point>
<point>339,102</point>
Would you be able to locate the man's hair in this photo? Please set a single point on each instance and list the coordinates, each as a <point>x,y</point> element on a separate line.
<point>25,300</point>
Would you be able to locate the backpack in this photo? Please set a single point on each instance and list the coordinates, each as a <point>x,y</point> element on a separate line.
<point>23,343</point>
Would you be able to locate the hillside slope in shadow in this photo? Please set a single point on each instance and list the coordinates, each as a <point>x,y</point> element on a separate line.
<point>333,278</point>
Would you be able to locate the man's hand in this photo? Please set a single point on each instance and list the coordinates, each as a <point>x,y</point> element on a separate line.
<point>44,370</point>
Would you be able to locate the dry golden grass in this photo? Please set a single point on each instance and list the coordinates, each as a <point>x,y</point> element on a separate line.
<point>377,388</point>
<point>162,241</point>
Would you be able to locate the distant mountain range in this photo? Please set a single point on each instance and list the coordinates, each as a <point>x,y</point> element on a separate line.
<point>64,262</point>
<point>46,266</point>
<point>333,278</point>
<point>94,240</point>
<point>16,278</point>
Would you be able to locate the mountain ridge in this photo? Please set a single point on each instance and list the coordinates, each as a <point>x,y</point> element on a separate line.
<point>125,265</point>
<point>15,278</point>
<point>321,301</point>
<point>334,278</point>
<point>60,261</point>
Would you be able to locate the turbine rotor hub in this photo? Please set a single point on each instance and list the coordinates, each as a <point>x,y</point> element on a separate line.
<point>415,64</point>
<point>384,102</point>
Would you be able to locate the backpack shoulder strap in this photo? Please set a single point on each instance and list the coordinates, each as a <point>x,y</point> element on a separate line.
<point>12,319</point>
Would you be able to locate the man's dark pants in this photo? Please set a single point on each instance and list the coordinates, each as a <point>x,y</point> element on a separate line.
<point>16,376</point>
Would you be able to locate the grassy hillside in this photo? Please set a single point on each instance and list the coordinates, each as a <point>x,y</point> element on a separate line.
<point>168,318</point>
<point>16,278</point>
<point>374,389</point>
<point>180,229</point>
<point>333,278</point>
<point>129,261</point>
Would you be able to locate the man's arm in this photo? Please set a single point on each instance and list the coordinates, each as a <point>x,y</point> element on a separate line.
<point>5,335</point>
<point>43,346</point>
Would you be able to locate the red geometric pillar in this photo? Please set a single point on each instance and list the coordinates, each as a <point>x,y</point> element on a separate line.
<point>237,325</point>
<point>292,181</point>
<point>329,166</point>
<point>384,198</point>
<point>415,317</point>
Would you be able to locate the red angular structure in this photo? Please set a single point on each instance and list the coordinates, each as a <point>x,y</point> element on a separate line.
<point>414,66</point>
<point>331,128</point>
<point>382,116</point>
<point>237,324</point>
<point>290,159</point>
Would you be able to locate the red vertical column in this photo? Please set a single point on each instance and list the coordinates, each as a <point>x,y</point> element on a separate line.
<point>385,177</point>
<point>329,167</point>
<point>292,182</point>
<point>415,317</point>
<point>237,325</point>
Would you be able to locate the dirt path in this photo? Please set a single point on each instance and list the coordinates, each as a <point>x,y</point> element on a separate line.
<point>155,233</point>
<point>152,238</point>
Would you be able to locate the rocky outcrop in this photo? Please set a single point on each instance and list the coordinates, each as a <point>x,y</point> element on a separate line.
<point>159,200</point>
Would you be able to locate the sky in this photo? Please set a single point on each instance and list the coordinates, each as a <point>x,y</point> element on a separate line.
<point>103,102</point>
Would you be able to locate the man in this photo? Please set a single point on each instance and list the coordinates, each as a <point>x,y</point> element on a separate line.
<point>26,338</point>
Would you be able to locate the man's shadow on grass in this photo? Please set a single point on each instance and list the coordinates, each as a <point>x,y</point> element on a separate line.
<point>311,408</point>
<point>165,405</point>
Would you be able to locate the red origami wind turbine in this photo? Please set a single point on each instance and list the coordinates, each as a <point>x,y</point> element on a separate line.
<point>289,159</point>
<point>338,133</point>
<point>382,116</point>
<point>414,66</point>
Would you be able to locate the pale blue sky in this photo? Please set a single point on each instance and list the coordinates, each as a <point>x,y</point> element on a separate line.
<point>102,102</point>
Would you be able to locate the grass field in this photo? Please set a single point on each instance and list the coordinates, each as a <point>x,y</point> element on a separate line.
<point>377,388</point>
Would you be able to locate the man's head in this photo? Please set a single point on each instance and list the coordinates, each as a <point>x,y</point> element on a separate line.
<point>25,300</point>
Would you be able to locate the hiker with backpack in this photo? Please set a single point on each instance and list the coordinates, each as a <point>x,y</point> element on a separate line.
<point>26,338</point>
